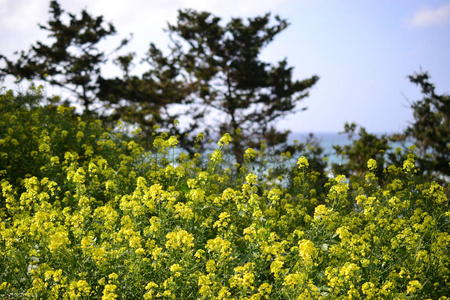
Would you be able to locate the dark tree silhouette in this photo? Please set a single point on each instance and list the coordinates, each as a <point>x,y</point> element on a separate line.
<point>212,79</point>
<point>72,61</point>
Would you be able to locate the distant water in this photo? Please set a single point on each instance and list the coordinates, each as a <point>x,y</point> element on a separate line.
<point>326,140</point>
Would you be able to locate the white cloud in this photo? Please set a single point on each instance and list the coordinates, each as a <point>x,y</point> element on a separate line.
<point>428,17</point>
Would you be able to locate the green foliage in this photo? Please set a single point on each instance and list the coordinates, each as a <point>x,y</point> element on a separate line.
<point>43,141</point>
<point>430,130</point>
<point>147,100</point>
<point>355,156</point>
<point>225,76</point>
<point>429,134</point>
<point>213,72</point>
<point>96,216</point>
<point>73,60</point>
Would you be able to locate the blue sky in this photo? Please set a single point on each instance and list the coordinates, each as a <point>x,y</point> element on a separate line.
<point>362,51</point>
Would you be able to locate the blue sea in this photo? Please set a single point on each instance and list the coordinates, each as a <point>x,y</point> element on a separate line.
<point>326,140</point>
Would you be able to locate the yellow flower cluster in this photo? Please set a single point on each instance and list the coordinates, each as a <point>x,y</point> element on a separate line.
<point>92,214</point>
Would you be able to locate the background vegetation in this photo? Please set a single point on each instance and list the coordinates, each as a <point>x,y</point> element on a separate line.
<point>91,209</point>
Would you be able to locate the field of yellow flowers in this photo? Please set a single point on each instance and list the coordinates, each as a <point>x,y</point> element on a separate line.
<point>88,213</point>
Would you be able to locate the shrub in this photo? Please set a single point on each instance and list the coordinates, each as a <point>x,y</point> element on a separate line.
<point>87,213</point>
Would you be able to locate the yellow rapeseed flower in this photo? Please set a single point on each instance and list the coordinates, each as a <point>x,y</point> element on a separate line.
<point>224,140</point>
<point>307,250</point>
<point>302,162</point>
<point>372,164</point>
<point>413,286</point>
<point>179,239</point>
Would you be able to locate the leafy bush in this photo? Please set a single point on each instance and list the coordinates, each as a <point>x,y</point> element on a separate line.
<point>88,213</point>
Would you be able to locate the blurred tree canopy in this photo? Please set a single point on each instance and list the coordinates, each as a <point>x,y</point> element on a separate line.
<point>363,148</point>
<point>215,71</point>
<point>212,78</point>
<point>430,130</point>
<point>72,61</point>
<point>429,133</point>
